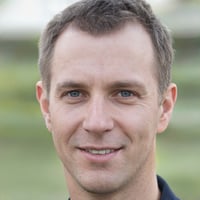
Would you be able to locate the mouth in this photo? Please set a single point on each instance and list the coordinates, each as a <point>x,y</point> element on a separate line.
<point>99,155</point>
<point>100,151</point>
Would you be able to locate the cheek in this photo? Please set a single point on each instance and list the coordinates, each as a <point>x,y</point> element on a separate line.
<point>141,120</point>
<point>64,123</point>
<point>63,129</point>
<point>140,126</point>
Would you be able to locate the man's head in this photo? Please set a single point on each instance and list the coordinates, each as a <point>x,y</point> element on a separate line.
<point>100,17</point>
<point>102,62</point>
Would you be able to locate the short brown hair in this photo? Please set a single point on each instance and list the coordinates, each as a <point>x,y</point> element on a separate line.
<point>100,17</point>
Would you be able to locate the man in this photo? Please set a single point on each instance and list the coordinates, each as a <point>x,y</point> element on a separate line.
<point>105,93</point>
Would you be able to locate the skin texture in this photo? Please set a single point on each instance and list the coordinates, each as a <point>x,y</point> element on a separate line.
<point>104,96</point>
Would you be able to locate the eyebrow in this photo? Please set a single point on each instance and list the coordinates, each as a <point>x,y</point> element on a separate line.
<point>113,85</point>
<point>126,84</point>
<point>70,84</point>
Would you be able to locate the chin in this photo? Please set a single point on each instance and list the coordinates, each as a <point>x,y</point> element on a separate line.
<point>100,188</point>
<point>101,184</point>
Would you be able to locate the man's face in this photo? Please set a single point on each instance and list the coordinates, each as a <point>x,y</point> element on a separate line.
<point>103,108</point>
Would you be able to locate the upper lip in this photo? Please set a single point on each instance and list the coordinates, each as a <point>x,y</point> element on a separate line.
<point>99,148</point>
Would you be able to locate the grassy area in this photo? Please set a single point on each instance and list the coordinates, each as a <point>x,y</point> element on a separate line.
<point>29,166</point>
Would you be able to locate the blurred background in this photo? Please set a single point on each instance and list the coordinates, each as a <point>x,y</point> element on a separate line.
<point>29,167</point>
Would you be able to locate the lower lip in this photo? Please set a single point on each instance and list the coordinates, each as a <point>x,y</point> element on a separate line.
<point>99,158</point>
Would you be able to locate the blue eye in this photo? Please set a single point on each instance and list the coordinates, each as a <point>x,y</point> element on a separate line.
<point>125,93</point>
<point>74,93</point>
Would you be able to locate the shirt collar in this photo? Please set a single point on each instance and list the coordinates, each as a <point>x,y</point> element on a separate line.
<point>166,192</point>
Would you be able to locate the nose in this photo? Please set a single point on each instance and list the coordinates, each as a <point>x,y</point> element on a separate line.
<point>98,117</point>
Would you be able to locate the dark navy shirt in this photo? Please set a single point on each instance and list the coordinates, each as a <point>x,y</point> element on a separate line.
<point>166,192</point>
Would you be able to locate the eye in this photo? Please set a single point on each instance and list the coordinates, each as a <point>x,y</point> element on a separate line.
<point>74,93</point>
<point>73,96</point>
<point>126,93</point>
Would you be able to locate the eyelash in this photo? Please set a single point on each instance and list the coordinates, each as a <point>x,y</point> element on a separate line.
<point>126,93</point>
<point>69,93</point>
<point>74,93</point>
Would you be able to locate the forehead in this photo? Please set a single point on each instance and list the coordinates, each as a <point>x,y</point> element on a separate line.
<point>131,35</point>
<point>124,51</point>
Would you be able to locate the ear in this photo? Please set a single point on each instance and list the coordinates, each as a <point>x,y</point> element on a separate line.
<point>43,100</point>
<point>167,106</point>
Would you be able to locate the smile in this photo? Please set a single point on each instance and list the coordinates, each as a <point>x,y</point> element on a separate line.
<point>100,152</point>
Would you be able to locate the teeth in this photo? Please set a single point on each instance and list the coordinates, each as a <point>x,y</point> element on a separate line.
<point>100,152</point>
